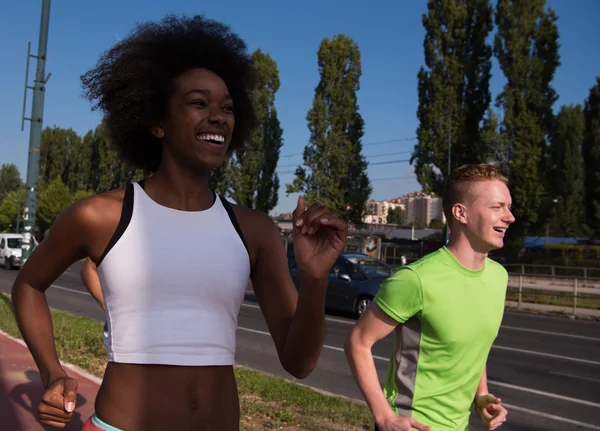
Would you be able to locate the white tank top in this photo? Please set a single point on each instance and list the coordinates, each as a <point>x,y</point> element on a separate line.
<point>173,283</point>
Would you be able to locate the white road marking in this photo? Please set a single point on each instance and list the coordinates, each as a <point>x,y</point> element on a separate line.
<point>512,328</point>
<point>558,334</point>
<point>492,382</point>
<point>329,319</point>
<point>70,290</point>
<point>510,407</point>
<point>549,355</point>
<point>574,376</point>
<point>512,349</point>
<point>545,394</point>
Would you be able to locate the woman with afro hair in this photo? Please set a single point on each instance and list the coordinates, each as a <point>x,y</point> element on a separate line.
<point>173,257</point>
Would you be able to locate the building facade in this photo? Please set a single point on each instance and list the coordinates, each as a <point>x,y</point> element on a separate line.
<point>418,207</point>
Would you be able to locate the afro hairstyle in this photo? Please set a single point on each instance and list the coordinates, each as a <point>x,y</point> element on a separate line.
<point>132,82</point>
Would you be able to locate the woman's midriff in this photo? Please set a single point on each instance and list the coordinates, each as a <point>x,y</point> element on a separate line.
<point>136,397</point>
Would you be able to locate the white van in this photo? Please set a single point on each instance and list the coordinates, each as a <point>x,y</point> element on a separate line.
<point>10,250</point>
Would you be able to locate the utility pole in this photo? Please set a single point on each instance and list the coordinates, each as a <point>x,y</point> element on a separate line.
<point>35,132</point>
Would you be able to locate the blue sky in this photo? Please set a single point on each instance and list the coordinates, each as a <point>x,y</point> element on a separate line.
<point>389,35</point>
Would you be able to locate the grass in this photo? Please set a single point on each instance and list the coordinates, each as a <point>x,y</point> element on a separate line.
<point>266,402</point>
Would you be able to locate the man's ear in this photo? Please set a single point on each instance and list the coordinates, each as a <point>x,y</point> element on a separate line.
<point>459,212</point>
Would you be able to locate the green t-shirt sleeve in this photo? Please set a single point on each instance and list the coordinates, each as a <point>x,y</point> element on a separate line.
<point>400,296</point>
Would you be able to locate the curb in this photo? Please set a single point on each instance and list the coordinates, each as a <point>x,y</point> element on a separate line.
<point>71,367</point>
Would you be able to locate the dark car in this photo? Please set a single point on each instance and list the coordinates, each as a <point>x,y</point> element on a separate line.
<point>353,281</point>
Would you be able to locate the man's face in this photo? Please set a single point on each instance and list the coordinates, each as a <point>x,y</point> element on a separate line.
<point>488,214</point>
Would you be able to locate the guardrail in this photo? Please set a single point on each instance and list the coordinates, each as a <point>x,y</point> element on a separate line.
<point>554,270</point>
<point>557,291</point>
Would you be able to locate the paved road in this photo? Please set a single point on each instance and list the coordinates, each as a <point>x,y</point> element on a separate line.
<point>547,370</point>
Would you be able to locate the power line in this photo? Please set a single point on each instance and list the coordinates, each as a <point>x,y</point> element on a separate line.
<point>370,164</point>
<point>390,141</point>
<point>370,144</point>
<point>394,178</point>
<point>388,154</point>
<point>374,179</point>
<point>366,157</point>
<point>390,162</point>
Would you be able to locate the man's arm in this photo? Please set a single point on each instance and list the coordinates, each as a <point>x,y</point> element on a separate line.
<point>373,326</point>
<point>482,388</point>
<point>487,406</point>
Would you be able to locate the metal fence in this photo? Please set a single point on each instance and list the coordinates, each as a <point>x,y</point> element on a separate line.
<point>565,294</point>
<point>554,270</point>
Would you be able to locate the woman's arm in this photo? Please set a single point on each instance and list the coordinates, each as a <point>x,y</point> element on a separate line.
<point>66,243</point>
<point>297,320</point>
<point>89,276</point>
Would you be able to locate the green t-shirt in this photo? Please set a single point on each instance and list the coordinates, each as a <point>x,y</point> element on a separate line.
<point>449,316</point>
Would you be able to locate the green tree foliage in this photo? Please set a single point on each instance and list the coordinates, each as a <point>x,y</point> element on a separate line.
<point>250,175</point>
<point>591,157</point>
<point>453,89</point>
<point>267,194</point>
<point>52,200</point>
<point>107,172</point>
<point>395,216</point>
<point>437,223</point>
<point>10,179</point>
<point>566,171</point>
<point>91,164</point>
<point>60,154</point>
<point>9,210</point>
<point>82,194</point>
<point>335,173</point>
<point>494,140</point>
<point>220,179</point>
<point>526,46</point>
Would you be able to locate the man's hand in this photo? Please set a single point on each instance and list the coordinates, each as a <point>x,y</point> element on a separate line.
<point>401,423</point>
<point>490,410</point>
<point>58,403</point>
<point>319,239</point>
